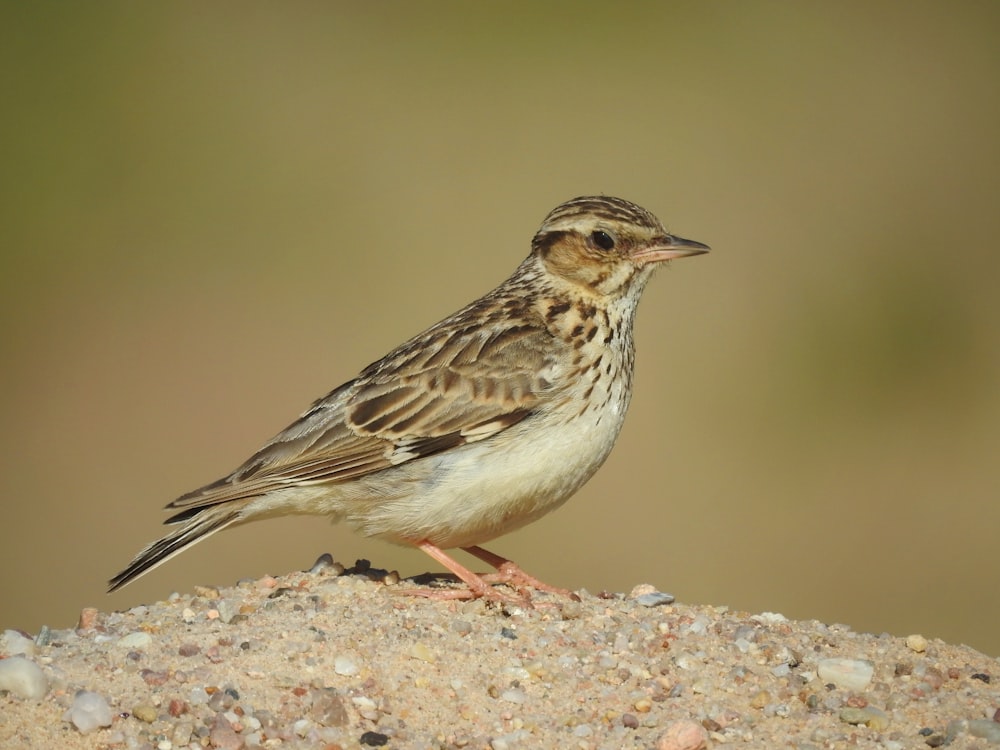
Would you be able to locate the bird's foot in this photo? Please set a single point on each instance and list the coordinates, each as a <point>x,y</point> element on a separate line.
<point>482,586</point>
<point>511,573</point>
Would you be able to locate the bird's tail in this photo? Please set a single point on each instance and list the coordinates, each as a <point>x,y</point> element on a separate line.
<point>197,526</point>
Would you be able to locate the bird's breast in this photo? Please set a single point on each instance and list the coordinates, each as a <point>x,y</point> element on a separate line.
<point>474,493</point>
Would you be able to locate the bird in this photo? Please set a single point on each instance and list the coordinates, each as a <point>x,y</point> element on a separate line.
<point>482,423</point>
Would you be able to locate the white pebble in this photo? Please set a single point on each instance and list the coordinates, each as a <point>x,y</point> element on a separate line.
<point>13,644</point>
<point>345,665</point>
<point>89,711</point>
<point>916,643</point>
<point>516,673</point>
<point>514,695</point>
<point>138,639</point>
<point>23,678</point>
<point>851,674</point>
<point>363,701</point>
<point>769,618</point>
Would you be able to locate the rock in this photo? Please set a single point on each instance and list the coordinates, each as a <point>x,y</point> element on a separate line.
<point>986,730</point>
<point>23,678</point>
<point>89,712</point>
<point>850,674</point>
<point>345,665</point>
<point>15,643</point>
<point>916,643</point>
<point>328,708</point>
<point>655,599</point>
<point>145,713</point>
<point>683,735</point>
<point>88,618</point>
<point>870,716</point>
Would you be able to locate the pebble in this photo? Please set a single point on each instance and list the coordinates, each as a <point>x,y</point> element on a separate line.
<point>422,652</point>
<point>15,643</point>
<point>850,674</point>
<point>514,695</point>
<point>870,716</point>
<point>985,729</point>
<point>683,735</point>
<point>323,562</point>
<point>182,733</point>
<point>139,640</point>
<point>89,712</point>
<point>655,599</point>
<point>23,678</point>
<point>222,735</point>
<point>366,707</point>
<point>44,636</point>
<point>916,643</point>
<point>345,665</point>
<point>88,618</point>
<point>266,583</point>
<point>227,610</point>
<point>145,712</point>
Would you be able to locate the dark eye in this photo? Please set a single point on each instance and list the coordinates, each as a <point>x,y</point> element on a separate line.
<point>602,239</point>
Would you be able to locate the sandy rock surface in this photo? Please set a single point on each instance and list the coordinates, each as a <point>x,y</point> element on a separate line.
<point>334,659</point>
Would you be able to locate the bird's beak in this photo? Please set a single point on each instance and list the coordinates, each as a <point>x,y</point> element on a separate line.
<point>668,247</point>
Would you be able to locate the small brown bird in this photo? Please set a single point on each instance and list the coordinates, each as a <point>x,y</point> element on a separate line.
<point>479,425</point>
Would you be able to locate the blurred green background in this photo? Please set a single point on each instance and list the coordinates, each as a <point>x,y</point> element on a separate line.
<point>212,214</point>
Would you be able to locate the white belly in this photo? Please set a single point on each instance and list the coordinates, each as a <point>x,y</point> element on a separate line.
<point>480,491</point>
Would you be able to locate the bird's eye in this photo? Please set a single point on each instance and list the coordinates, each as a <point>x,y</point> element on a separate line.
<point>602,239</point>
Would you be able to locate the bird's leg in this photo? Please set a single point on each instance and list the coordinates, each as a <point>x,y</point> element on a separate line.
<point>510,573</point>
<point>478,587</point>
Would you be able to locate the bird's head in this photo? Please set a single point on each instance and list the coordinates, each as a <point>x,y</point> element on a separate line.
<point>606,245</point>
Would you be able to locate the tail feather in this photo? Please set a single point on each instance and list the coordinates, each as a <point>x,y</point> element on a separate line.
<point>198,527</point>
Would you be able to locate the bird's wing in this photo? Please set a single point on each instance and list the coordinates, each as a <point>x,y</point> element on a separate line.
<point>445,388</point>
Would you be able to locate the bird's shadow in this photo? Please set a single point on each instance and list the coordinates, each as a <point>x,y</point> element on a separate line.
<point>364,568</point>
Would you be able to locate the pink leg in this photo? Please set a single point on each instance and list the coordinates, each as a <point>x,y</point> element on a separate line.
<point>478,587</point>
<point>510,573</point>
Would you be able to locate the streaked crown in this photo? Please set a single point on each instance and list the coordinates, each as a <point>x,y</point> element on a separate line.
<point>599,208</point>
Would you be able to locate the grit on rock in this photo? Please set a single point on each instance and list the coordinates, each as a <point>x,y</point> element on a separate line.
<point>333,658</point>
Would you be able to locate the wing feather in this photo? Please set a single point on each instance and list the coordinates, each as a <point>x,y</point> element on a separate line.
<point>452,385</point>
